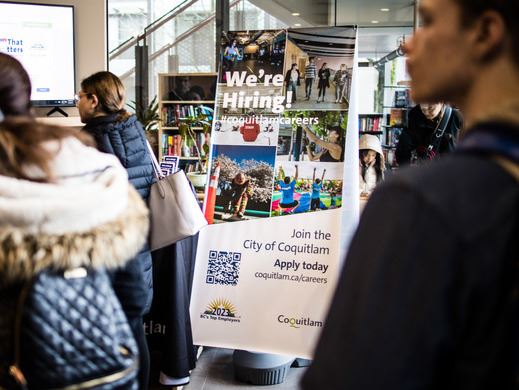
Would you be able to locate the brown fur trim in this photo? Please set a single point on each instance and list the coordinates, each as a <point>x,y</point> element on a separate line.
<point>109,245</point>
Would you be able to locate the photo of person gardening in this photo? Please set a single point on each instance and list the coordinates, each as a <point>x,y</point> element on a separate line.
<point>306,187</point>
<point>316,77</point>
<point>245,182</point>
<point>317,136</point>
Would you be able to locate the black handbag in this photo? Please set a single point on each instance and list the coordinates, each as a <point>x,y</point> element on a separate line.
<point>71,333</point>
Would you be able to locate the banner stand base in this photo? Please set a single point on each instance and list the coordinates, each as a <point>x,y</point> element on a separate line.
<point>300,362</point>
<point>261,368</point>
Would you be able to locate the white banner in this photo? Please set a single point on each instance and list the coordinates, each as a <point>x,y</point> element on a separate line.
<point>283,194</point>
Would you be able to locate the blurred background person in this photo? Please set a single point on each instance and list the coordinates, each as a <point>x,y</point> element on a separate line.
<point>422,139</point>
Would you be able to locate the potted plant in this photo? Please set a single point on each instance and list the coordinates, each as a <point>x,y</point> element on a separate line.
<point>186,129</point>
<point>149,117</point>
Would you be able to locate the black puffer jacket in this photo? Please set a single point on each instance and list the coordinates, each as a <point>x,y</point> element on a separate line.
<point>124,138</point>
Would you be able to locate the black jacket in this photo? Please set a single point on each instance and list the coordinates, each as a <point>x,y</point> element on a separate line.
<point>419,132</point>
<point>432,304</point>
<point>288,75</point>
<point>126,140</point>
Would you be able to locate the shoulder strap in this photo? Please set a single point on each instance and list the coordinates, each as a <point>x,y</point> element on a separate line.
<point>440,129</point>
<point>155,163</point>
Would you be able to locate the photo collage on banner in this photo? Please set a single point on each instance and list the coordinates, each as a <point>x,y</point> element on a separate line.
<point>267,265</point>
<point>280,123</point>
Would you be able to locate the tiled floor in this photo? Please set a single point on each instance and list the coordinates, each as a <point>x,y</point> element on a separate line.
<point>214,371</point>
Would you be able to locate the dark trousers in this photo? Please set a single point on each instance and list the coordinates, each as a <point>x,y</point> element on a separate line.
<point>322,91</point>
<point>292,86</point>
<point>315,203</point>
<point>136,324</point>
<point>308,87</point>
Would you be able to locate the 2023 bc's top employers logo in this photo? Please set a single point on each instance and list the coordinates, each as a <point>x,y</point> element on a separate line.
<point>222,310</point>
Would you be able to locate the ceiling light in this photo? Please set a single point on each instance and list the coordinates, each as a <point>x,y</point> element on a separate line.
<point>384,9</point>
<point>374,21</point>
<point>297,24</point>
<point>295,14</point>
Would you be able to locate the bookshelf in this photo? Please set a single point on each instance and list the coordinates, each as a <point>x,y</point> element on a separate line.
<point>370,123</point>
<point>182,98</point>
<point>397,104</point>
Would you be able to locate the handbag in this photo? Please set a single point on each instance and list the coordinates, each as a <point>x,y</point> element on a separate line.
<point>174,210</point>
<point>71,333</point>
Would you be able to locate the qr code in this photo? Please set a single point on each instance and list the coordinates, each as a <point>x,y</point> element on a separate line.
<point>223,268</point>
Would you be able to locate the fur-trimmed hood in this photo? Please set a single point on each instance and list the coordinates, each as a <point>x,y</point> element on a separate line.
<point>109,245</point>
<point>89,216</point>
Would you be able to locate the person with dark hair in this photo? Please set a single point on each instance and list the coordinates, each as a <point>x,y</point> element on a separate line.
<point>331,148</point>
<point>287,186</point>
<point>101,107</point>
<point>340,80</point>
<point>310,76</point>
<point>196,93</point>
<point>432,302</point>
<point>324,81</point>
<point>292,80</point>
<point>231,54</point>
<point>371,164</point>
<point>182,89</point>
<point>317,186</point>
<point>241,191</point>
<point>15,88</point>
<point>423,139</point>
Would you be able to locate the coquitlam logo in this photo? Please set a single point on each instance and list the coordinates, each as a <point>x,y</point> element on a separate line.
<point>299,322</point>
<point>222,310</point>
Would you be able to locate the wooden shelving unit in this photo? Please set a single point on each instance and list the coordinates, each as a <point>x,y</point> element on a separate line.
<point>183,96</point>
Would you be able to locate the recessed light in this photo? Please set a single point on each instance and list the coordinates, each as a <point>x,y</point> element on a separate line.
<point>295,14</point>
<point>297,24</point>
<point>374,21</point>
<point>384,9</point>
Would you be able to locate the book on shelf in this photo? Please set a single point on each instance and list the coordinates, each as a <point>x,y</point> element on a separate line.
<point>369,123</point>
<point>175,145</point>
<point>173,114</point>
<point>402,98</point>
<point>392,135</point>
<point>171,145</point>
<point>396,117</point>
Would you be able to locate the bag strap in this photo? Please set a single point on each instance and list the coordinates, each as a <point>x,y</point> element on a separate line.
<point>155,163</point>
<point>440,130</point>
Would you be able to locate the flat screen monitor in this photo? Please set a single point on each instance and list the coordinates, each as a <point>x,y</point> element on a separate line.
<point>41,37</point>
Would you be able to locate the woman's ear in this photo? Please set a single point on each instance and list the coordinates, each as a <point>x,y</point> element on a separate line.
<point>95,101</point>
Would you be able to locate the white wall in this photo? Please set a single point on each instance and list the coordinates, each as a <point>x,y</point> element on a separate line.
<point>91,38</point>
<point>367,85</point>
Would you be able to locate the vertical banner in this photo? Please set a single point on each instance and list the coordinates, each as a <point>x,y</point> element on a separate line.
<point>284,184</point>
